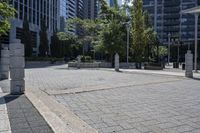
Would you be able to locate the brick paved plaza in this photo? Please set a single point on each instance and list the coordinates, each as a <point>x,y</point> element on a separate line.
<point>133,102</point>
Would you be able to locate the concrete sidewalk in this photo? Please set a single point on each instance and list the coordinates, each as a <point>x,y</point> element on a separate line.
<point>18,115</point>
<point>4,120</point>
<point>169,72</point>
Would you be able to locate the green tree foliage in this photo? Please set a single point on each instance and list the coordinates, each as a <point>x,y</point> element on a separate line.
<point>144,38</point>
<point>89,30</point>
<point>108,32</point>
<point>149,37</point>
<point>27,39</point>
<point>44,47</point>
<point>138,44</point>
<point>55,50</point>
<point>5,13</point>
<point>62,44</point>
<point>159,52</point>
<point>112,33</point>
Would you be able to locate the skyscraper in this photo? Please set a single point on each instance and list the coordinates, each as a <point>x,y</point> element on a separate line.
<point>90,9</point>
<point>34,11</point>
<point>167,18</point>
<point>68,10</point>
<point>83,9</point>
<point>111,2</point>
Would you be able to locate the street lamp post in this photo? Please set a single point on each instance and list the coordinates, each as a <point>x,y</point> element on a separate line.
<point>169,41</point>
<point>196,41</point>
<point>127,47</point>
<point>196,12</point>
<point>178,56</point>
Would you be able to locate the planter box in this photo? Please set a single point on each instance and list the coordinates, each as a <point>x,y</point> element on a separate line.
<point>175,65</point>
<point>105,65</point>
<point>129,65</point>
<point>153,66</point>
<point>91,65</point>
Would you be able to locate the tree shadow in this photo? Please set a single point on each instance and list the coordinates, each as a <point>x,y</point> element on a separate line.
<point>8,98</point>
<point>42,65</point>
<point>198,79</point>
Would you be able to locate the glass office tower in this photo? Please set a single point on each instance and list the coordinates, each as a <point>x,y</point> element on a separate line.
<point>34,11</point>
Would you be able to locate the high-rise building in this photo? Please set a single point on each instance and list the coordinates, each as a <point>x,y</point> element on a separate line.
<point>34,11</point>
<point>68,10</point>
<point>84,9</point>
<point>155,10</point>
<point>168,19</point>
<point>111,2</point>
<point>91,8</point>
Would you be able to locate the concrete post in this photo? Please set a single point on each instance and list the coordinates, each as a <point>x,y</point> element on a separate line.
<point>189,64</point>
<point>196,41</point>
<point>116,62</point>
<point>17,64</point>
<point>79,61</point>
<point>4,67</point>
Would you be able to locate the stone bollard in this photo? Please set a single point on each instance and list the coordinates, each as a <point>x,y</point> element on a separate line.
<point>17,64</point>
<point>189,64</point>
<point>79,62</point>
<point>4,69</point>
<point>117,62</point>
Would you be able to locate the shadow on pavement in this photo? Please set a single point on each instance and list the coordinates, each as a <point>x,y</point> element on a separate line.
<point>196,79</point>
<point>41,65</point>
<point>24,117</point>
<point>8,98</point>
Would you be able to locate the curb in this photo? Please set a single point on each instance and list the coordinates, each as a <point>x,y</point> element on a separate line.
<point>5,127</point>
<point>59,118</point>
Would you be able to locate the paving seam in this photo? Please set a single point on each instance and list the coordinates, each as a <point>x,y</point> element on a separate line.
<point>110,88</point>
<point>61,119</point>
<point>7,118</point>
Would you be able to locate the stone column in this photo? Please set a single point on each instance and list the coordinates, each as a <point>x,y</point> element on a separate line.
<point>4,67</point>
<point>116,62</point>
<point>78,62</point>
<point>17,64</point>
<point>189,64</point>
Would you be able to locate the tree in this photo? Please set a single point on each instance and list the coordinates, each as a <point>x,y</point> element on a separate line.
<point>149,37</point>
<point>44,47</point>
<point>5,12</point>
<point>27,39</point>
<point>61,44</point>
<point>55,45</point>
<point>112,33</point>
<point>137,30</point>
<point>88,28</point>
<point>160,52</point>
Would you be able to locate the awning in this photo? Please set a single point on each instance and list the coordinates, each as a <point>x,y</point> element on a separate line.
<point>194,10</point>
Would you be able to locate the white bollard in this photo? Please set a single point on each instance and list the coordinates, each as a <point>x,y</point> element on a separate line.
<point>17,64</point>
<point>78,62</point>
<point>4,69</point>
<point>189,64</point>
<point>117,62</point>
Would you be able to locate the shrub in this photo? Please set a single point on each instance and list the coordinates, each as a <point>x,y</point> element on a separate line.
<point>86,58</point>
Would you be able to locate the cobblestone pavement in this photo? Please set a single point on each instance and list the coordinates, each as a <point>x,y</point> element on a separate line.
<point>162,108</point>
<point>149,103</point>
<point>18,115</point>
<point>4,120</point>
<point>23,116</point>
<point>60,80</point>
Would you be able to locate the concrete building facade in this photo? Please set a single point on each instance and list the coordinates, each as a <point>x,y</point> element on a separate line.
<point>68,10</point>
<point>84,9</point>
<point>91,8</point>
<point>34,11</point>
<point>167,18</point>
<point>111,2</point>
